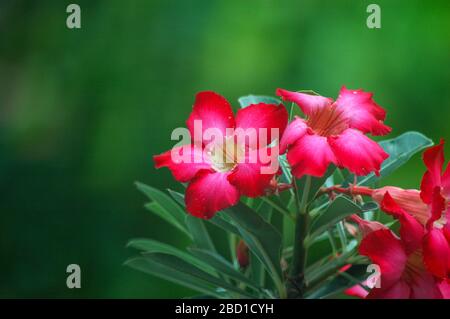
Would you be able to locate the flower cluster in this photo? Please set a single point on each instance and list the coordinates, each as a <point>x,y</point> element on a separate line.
<point>236,157</point>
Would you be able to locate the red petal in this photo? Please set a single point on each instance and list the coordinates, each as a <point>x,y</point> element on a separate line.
<point>250,178</point>
<point>445,181</point>
<point>308,103</point>
<point>357,152</point>
<point>209,193</point>
<point>436,252</point>
<point>433,158</point>
<point>184,162</point>
<point>310,155</point>
<point>213,111</point>
<point>387,251</point>
<point>426,187</point>
<point>357,291</point>
<point>411,231</point>
<point>363,113</point>
<point>424,286</point>
<point>295,130</point>
<point>438,206</point>
<point>263,116</point>
<point>400,290</point>
<point>444,288</point>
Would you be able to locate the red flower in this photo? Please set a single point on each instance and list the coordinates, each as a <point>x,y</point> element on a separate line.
<point>401,260</point>
<point>220,170</point>
<point>430,207</point>
<point>333,132</point>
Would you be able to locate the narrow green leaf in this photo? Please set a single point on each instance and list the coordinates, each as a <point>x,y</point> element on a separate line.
<point>261,238</point>
<point>155,268</point>
<point>340,208</point>
<point>400,150</point>
<point>199,232</point>
<point>315,183</point>
<point>354,275</point>
<point>177,264</point>
<point>223,266</point>
<point>164,207</point>
<point>153,246</point>
<point>245,101</point>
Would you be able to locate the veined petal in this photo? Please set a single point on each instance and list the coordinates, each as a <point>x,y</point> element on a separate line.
<point>408,199</point>
<point>310,155</point>
<point>296,129</point>
<point>411,231</point>
<point>184,162</point>
<point>308,103</point>
<point>213,111</point>
<point>436,253</point>
<point>253,177</point>
<point>387,251</point>
<point>433,158</point>
<point>363,113</point>
<point>357,152</point>
<point>424,286</point>
<point>209,193</point>
<point>263,116</point>
<point>399,290</point>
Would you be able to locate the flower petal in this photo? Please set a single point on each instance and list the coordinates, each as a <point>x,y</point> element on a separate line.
<point>310,155</point>
<point>213,111</point>
<point>363,113</point>
<point>263,116</point>
<point>444,288</point>
<point>184,162</point>
<point>399,290</point>
<point>424,286</point>
<point>433,158</point>
<point>250,178</point>
<point>308,103</point>
<point>209,193</point>
<point>411,231</point>
<point>387,251</point>
<point>296,129</point>
<point>436,252</point>
<point>408,199</point>
<point>357,152</point>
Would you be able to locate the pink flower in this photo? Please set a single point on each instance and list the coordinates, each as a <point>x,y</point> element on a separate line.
<point>435,191</point>
<point>219,171</point>
<point>401,259</point>
<point>333,132</point>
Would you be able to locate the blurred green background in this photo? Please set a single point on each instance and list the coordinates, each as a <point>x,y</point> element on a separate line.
<point>83,111</point>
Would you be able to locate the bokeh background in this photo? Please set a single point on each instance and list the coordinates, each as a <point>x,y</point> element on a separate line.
<point>83,111</point>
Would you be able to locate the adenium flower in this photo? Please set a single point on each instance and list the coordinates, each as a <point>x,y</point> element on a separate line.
<point>429,207</point>
<point>334,132</point>
<point>404,274</point>
<point>220,170</point>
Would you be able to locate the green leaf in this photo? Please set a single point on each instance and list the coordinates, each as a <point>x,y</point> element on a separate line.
<point>153,246</point>
<point>354,275</point>
<point>199,232</point>
<point>245,101</point>
<point>400,150</point>
<point>223,266</point>
<point>340,208</point>
<point>188,271</point>
<point>152,267</point>
<point>163,206</point>
<point>314,183</point>
<point>217,220</point>
<point>261,238</point>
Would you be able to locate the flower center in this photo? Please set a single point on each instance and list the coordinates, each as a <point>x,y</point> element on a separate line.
<point>328,121</point>
<point>225,156</point>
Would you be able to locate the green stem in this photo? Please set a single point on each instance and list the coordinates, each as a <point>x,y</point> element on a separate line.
<point>297,272</point>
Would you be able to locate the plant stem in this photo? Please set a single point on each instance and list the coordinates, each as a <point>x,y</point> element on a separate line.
<point>297,272</point>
